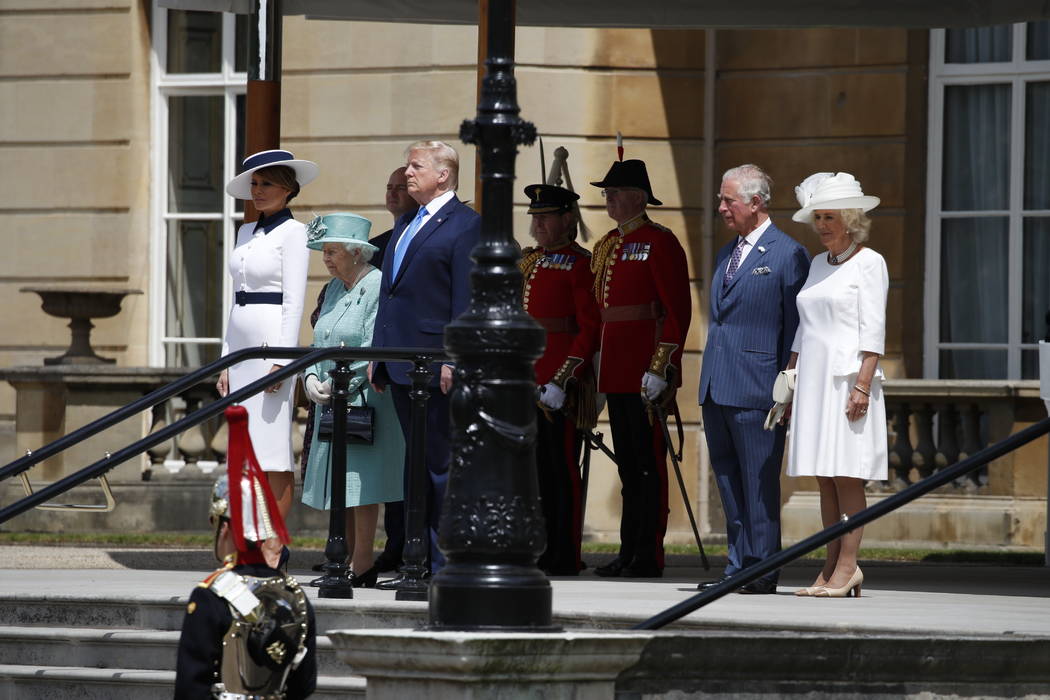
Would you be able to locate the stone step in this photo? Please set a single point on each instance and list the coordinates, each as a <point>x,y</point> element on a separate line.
<point>63,682</point>
<point>102,648</point>
<point>146,612</point>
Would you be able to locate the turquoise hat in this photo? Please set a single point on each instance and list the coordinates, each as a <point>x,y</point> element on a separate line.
<point>339,227</point>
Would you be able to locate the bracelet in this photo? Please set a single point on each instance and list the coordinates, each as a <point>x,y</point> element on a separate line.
<point>866,392</point>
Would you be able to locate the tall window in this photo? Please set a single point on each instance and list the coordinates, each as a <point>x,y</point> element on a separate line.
<point>199,82</point>
<point>988,244</point>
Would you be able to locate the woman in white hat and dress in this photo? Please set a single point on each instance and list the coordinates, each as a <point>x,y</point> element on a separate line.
<point>268,265</point>
<point>838,419</point>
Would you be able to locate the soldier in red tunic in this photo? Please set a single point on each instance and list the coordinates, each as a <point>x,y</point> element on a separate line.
<point>557,293</point>
<point>642,288</point>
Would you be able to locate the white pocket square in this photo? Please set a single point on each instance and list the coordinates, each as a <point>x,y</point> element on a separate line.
<point>761,271</point>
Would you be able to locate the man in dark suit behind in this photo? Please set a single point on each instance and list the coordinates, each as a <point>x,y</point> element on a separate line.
<point>426,284</point>
<point>398,203</point>
<point>752,324</point>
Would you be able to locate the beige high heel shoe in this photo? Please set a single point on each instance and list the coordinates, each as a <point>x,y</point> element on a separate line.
<point>852,587</point>
<point>810,590</point>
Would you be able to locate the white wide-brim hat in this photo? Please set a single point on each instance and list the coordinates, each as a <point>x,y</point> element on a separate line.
<point>830,191</point>
<point>241,186</point>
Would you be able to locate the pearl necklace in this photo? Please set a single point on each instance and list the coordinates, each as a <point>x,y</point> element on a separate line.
<point>843,256</point>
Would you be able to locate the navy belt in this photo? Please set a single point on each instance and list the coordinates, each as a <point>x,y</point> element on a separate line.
<point>242,298</point>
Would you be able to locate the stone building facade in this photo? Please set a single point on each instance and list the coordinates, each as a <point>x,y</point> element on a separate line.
<point>122,123</point>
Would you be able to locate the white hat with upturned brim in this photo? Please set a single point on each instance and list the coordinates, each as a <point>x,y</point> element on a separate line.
<point>830,191</point>
<point>241,186</point>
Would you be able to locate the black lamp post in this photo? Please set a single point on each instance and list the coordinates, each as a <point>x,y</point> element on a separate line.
<point>491,528</point>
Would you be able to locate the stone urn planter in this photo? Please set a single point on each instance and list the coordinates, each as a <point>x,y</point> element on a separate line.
<point>80,305</point>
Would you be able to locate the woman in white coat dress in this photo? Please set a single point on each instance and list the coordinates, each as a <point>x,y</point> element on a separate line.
<point>838,420</point>
<point>268,265</point>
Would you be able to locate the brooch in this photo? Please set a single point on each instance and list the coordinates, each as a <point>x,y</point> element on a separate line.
<point>761,271</point>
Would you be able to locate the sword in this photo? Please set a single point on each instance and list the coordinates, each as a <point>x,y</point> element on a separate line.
<point>592,441</point>
<point>661,415</point>
<point>595,442</point>
<point>585,478</point>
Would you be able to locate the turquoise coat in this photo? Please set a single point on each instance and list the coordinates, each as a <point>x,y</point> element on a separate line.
<point>373,472</point>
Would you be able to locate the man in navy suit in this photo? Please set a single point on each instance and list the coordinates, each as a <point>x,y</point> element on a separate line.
<point>426,284</point>
<point>398,203</point>
<point>752,324</point>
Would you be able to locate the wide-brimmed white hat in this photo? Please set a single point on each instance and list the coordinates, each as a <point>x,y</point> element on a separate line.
<point>830,191</point>
<point>241,186</point>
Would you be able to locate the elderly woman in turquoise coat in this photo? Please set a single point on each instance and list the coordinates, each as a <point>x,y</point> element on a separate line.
<point>347,316</point>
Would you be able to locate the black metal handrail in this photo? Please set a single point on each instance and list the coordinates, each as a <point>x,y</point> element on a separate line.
<point>305,358</point>
<point>859,519</point>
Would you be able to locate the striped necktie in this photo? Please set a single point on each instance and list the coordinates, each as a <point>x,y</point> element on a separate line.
<point>734,263</point>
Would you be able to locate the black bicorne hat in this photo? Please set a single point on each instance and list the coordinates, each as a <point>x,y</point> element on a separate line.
<point>549,199</point>
<point>629,173</point>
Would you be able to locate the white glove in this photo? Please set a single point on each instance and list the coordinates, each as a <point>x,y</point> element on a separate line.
<point>319,392</point>
<point>551,396</point>
<point>653,386</point>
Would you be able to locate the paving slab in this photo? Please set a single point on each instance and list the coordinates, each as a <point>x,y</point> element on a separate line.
<point>901,598</point>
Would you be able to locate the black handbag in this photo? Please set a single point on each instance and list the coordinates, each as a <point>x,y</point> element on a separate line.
<point>360,423</point>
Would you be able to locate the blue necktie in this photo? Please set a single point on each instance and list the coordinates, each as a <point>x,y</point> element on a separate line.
<point>406,240</point>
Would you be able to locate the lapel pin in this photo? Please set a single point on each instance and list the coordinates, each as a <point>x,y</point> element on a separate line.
<point>761,249</point>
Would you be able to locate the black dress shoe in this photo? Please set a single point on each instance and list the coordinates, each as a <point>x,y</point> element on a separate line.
<point>759,587</point>
<point>637,570</point>
<point>394,584</point>
<point>613,568</point>
<point>562,571</point>
<point>704,585</point>
<point>390,584</point>
<point>367,579</point>
<point>387,561</point>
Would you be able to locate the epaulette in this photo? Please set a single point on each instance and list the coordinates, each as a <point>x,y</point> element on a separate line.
<point>234,590</point>
<point>207,583</point>
<point>579,249</point>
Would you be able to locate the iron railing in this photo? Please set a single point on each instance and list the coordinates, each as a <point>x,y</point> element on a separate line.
<point>335,582</point>
<point>884,507</point>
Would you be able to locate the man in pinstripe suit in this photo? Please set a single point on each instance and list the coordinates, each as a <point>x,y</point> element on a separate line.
<point>752,324</point>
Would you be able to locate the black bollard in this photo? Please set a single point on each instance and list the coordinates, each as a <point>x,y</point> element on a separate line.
<point>491,526</point>
<point>335,583</point>
<point>411,584</point>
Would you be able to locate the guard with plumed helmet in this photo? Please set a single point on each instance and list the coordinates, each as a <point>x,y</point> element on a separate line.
<point>249,630</point>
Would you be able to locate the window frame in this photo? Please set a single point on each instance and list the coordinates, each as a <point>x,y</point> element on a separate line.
<point>229,84</point>
<point>1017,72</point>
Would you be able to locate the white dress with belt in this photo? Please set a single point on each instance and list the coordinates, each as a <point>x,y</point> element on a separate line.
<point>842,312</point>
<point>269,256</point>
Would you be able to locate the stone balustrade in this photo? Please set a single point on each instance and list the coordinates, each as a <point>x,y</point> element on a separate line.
<point>931,425</point>
<point>936,423</point>
<point>201,448</point>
